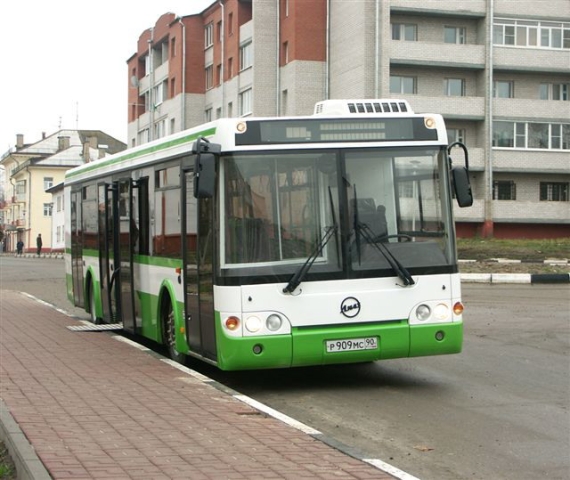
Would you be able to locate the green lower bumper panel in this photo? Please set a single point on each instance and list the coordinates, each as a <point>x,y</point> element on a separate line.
<point>333,345</point>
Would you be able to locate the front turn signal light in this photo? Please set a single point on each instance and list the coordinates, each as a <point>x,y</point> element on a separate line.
<point>232,323</point>
<point>458,308</point>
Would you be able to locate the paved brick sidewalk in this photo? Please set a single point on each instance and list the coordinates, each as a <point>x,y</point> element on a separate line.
<point>94,407</point>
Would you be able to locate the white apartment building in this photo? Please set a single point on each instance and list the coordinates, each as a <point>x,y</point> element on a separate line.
<point>497,70</point>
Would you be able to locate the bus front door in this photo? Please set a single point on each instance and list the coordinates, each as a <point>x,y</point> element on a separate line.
<point>116,253</point>
<point>198,268</point>
<point>77,249</point>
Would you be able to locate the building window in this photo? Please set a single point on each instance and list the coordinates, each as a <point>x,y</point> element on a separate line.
<point>48,182</point>
<point>21,187</point>
<point>172,125</point>
<point>230,73</point>
<point>230,24</point>
<point>172,88</point>
<point>504,190</point>
<point>209,35</point>
<point>455,135</point>
<point>219,74</point>
<point>552,136</point>
<point>48,209</point>
<point>454,87</point>
<point>147,65</point>
<point>208,115</point>
<point>284,102</point>
<point>404,31</point>
<point>528,33</point>
<point>160,129</point>
<point>554,191</point>
<point>219,112</point>
<point>503,89</point>
<point>400,84</point>
<point>554,91</point>
<point>59,203</point>
<point>172,47</point>
<point>285,53</point>
<point>245,100</point>
<point>209,77</point>
<point>219,28</point>
<point>160,93</point>
<point>246,55</point>
<point>454,35</point>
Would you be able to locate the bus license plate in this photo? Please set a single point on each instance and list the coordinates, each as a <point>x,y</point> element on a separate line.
<point>352,345</point>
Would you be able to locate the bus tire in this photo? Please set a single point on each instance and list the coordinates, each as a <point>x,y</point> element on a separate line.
<point>94,319</point>
<point>169,333</point>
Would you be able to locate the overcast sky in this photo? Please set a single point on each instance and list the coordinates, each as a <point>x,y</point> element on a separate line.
<point>63,63</point>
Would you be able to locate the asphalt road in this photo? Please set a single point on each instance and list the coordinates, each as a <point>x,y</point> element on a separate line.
<point>498,410</point>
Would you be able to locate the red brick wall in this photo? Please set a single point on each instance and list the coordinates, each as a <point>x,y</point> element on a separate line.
<point>304,29</point>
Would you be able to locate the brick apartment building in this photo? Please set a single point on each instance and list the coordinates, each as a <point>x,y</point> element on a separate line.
<point>497,70</point>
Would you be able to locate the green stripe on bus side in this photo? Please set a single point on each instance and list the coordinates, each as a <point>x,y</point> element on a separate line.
<point>152,261</point>
<point>145,151</point>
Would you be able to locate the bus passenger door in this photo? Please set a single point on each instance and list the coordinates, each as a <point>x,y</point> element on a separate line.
<point>198,268</point>
<point>116,246</point>
<point>108,211</point>
<point>77,249</point>
<point>127,233</point>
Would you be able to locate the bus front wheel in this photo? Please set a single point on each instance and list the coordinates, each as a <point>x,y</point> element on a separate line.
<point>169,335</point>
<point>92,309</point>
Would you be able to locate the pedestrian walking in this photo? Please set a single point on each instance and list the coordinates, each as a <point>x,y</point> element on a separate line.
<point>19,247</point>
<point>39,243</point>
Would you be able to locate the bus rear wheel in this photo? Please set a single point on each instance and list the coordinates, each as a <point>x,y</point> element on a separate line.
<point>170,335</point>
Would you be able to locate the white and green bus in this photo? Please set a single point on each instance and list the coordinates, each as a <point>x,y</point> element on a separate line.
<point>276,242</point>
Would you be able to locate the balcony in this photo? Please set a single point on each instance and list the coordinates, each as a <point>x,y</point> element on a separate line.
<point>529,110</point>
<point>531,161</point>
<point>437,55</point>
<point>473,8</point>
<point>518,59</point>
<point>461,108</point>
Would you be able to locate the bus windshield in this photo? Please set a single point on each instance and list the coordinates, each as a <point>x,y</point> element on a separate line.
<point>276,207</point>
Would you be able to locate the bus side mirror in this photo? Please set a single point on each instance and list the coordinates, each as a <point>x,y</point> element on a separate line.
<point>205,168</point>
<point>460,178</point>
<point>462,186</point>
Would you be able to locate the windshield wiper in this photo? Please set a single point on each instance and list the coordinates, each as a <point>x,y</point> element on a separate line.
<point>300,274</point>
<point>400,270</point>
<point>371,238</point>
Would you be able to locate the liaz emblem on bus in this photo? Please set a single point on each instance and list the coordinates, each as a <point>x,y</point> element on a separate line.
<point>350,307</point>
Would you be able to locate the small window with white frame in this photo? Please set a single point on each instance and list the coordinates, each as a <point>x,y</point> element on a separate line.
<point>209,35</point>
<point>48,207</point>
<point>454,35</point>
<point>554,91</point>
<point>402,84</point>
<point>245,55</point>
<point>503,89</point>
<point>405,31</point>
<point>455,135</point>
<point>454,87</point>
<point>48,182</point>
<point>245,102</point>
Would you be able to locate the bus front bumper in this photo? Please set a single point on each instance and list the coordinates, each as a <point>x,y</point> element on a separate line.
<point>308,346</point>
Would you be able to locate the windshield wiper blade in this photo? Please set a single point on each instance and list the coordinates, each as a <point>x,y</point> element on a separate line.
<point>300,274</point>
<point>370,237</point>
<point>400,270</point>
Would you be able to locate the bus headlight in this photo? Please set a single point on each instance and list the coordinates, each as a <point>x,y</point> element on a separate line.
<point>273,322</point>
<point>441,311</point>
<point>423,312</point>
<point>253,324</point>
